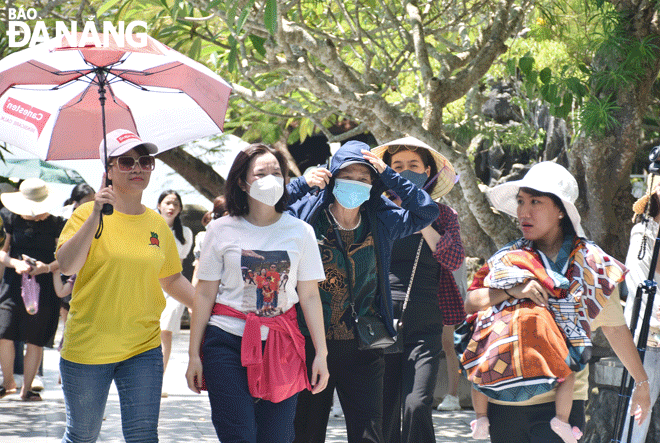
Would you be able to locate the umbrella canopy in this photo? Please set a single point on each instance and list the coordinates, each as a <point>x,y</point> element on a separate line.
<point>35,168</point>
<point>49,97</point>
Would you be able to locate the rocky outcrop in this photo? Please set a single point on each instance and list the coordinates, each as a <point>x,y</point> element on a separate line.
<point>494,161</point>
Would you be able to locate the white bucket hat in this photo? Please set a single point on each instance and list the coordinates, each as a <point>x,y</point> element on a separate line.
<point>548,177</point>
<point>33,198</point>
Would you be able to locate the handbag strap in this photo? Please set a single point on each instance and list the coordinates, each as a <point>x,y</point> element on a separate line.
<point>412,277</point>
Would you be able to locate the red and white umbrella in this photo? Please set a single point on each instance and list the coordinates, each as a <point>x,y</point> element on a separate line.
<point>58,100</point>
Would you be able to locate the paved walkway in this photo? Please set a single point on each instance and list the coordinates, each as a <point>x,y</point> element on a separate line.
<point>184,416</point>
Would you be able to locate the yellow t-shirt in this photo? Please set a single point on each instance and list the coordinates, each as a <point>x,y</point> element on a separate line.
<point>117,298</point>
<point>610,315</point>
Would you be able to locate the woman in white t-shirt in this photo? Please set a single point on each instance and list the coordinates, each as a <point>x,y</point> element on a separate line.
<point>253,386</point>
<point>170,207</point>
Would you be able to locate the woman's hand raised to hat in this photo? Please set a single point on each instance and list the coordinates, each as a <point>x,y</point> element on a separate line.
<point>318,177</point>
<point>375,161</point>
<point>532,290</point>
<point>105,195</point>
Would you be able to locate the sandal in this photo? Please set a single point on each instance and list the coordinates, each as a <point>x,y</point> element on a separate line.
<point>31,396</point>
<point>4,392</point>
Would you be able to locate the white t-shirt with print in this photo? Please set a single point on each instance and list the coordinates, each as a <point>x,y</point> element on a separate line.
<point>249,261</point>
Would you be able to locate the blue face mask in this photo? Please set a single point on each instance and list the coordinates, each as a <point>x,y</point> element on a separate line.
<point>350,193</point>
<point>417,178</point>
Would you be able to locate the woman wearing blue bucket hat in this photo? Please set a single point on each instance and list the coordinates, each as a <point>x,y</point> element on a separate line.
<point>355,227</point>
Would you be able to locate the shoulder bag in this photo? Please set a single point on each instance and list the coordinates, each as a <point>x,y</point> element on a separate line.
<point>370,330</point>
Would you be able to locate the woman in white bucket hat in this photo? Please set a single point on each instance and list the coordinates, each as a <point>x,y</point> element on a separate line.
<point>551,265</point>
<point>32,234</point>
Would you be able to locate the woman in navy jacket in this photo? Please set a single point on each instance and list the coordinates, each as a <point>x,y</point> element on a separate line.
<point>355,227</point>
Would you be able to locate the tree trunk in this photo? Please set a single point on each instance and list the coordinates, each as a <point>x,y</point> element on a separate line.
<point>605,201</point>
<point>199,174</point>
<point>602,166</point>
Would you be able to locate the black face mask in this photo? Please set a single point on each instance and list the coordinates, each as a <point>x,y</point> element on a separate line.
<point>417,178</point>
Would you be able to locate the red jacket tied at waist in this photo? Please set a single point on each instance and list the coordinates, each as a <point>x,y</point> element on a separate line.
<point>279,371</point>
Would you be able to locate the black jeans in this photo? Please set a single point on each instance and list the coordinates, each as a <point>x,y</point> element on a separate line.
<point>410,378</point>
<point>358,377</point>
<point>529,424</point>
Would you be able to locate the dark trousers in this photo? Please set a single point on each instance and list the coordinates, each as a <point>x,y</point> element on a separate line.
<point>237,416</point>
<point>358,378</point>
<point>409,384</point>
<point>529,424</point>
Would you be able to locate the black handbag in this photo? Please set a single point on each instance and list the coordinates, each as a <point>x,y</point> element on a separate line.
<point>398,340</point>
<point>370,330</point>
<point>372,333</point>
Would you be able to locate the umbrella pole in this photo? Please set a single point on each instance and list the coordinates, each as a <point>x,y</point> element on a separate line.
<point>107,207</point>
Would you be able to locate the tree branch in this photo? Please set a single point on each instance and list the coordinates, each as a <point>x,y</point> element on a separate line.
<point>419,40</point>
<point>199,174</point>
<point>507,19</point>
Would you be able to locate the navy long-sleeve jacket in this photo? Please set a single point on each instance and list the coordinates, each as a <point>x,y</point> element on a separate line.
<point>388,221</point>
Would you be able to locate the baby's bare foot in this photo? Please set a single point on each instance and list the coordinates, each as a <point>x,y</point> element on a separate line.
<point>567,433</point>
<point>480,428</point>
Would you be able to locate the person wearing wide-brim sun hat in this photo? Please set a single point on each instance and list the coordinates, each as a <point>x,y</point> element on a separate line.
<point>442,176</point>
<point>557,287</point>
<point>31,232</point>
<point>435,303</point>
<point>638,261</point>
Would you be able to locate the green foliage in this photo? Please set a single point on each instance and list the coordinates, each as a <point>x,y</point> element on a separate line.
<point>597,116</point>
<point>236,38</point>
<point>591,90</point>
<point>106,6</point>
<point>270,16</point>
<point>516,137</point>
<point>555,65</point>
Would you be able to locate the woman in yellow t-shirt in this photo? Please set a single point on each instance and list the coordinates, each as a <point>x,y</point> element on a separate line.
<point>124,262</point>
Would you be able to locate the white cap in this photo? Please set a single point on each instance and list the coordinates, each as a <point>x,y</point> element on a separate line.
<point>120,141</point>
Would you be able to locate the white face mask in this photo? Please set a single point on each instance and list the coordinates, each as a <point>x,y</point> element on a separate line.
<point>268,190</point>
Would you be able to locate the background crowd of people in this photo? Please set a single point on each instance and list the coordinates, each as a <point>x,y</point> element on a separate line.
<point>288,276</point>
